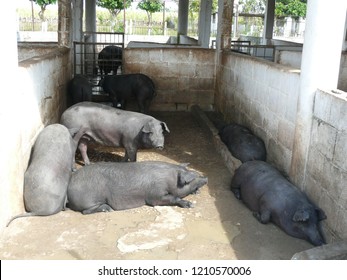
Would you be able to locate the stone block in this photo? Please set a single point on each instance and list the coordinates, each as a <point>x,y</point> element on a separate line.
<point>323,138</point>
<point>333,251</point>
<point>285,134</point>
<point>340,154</point>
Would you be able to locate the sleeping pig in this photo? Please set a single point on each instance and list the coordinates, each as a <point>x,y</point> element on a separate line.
<point>107,186</point>
<point>242,143</point>
<point>273,198</point>
<point>49,171</point>
<point>115,128</point>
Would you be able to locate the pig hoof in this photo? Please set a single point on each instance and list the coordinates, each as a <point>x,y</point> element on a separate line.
<point>186,204</point>
<point>197,191</point>
<point>237,193</point>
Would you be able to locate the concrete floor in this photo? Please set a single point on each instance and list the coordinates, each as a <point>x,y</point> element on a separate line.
<point>218,227</point>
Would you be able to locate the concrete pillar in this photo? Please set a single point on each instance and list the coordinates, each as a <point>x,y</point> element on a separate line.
<point>205,23</point>
<point>65,23</point>
<point>11,106</point>
<point>90,15</point>
<point>183,7</point>
<point>77,20</point>
<point>90,49</point>
<point>77,34</point>
<point>269,21</point>
<point>344,45</point>
<point>319,69</point>
<point>225,14</point>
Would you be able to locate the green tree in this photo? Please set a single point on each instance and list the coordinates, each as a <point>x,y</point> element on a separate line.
<point>194,9</point>
<point>150,6</point>
<point>291,8</point>
<point>252,6</point>
<point>113,6</point>
<point>43,5</point>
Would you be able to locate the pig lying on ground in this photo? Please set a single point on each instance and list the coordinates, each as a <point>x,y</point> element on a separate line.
<point>80,89</point>
<point>242,143</point>
<point>114,127</point>
<point>49,172</point>
<point>273,198</point>
<point>122,88</point>
<point>107,186</point>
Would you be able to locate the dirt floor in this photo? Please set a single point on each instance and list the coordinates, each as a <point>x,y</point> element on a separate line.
<point>218,227</point>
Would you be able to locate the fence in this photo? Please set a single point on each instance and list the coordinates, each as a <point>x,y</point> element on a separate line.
<point>132,27</point>
<point>89,63</point>
<point>29,24</point>
<point>247,26</point>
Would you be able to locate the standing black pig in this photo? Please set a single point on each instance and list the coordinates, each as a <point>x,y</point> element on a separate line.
<point>80,89</point>
<point>107,186</point>
<point>129,86</point>
<point>114,127</point>
<point>109,59</point>
<point>273,198</point>
<point>242,143</point>
<point>49,172</point>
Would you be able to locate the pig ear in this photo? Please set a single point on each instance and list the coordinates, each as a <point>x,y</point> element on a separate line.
<point>301,215</point>
<point>184,178</point>
<point>320,214</point>
<point>165,128</point>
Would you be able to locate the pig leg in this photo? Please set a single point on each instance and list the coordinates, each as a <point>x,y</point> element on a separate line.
<point>236,193</point>
<point>170,200</point>
<point>114,99</point>
<point>264,214</point>
<point>82,146</point>
<point>97,208</point>
<point>142,106</point>
<point>130,154</point>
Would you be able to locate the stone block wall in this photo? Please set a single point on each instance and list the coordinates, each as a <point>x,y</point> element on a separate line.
<point>263,96</point>
<point>183,77</point>
<point>327,166</point>
<point>293,59</point>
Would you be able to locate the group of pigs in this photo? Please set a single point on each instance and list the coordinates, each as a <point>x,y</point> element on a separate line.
<point>266,192</point>
<point>51,182</point>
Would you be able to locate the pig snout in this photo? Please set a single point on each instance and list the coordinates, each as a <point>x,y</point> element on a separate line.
<point>315,236</point>
<point>198,183</point>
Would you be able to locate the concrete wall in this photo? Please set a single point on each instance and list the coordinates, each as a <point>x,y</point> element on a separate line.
<point>327,166</point>
<point>40,100</point>
<point>293,59</point>
<point>29,50</point>
<point>263,96</point>
<point>183,77</point>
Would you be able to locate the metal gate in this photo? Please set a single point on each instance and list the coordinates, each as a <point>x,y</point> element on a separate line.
<point>90,61</point>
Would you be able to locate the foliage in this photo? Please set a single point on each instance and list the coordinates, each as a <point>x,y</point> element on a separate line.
<point>43,5</point>
<point>290,8</point>
<point>150,6</point>
<point>252,6</point>
<point>194,6</point>
<point>113,6</point>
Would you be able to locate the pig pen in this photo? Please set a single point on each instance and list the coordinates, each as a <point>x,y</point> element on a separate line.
<point>218,227</point>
